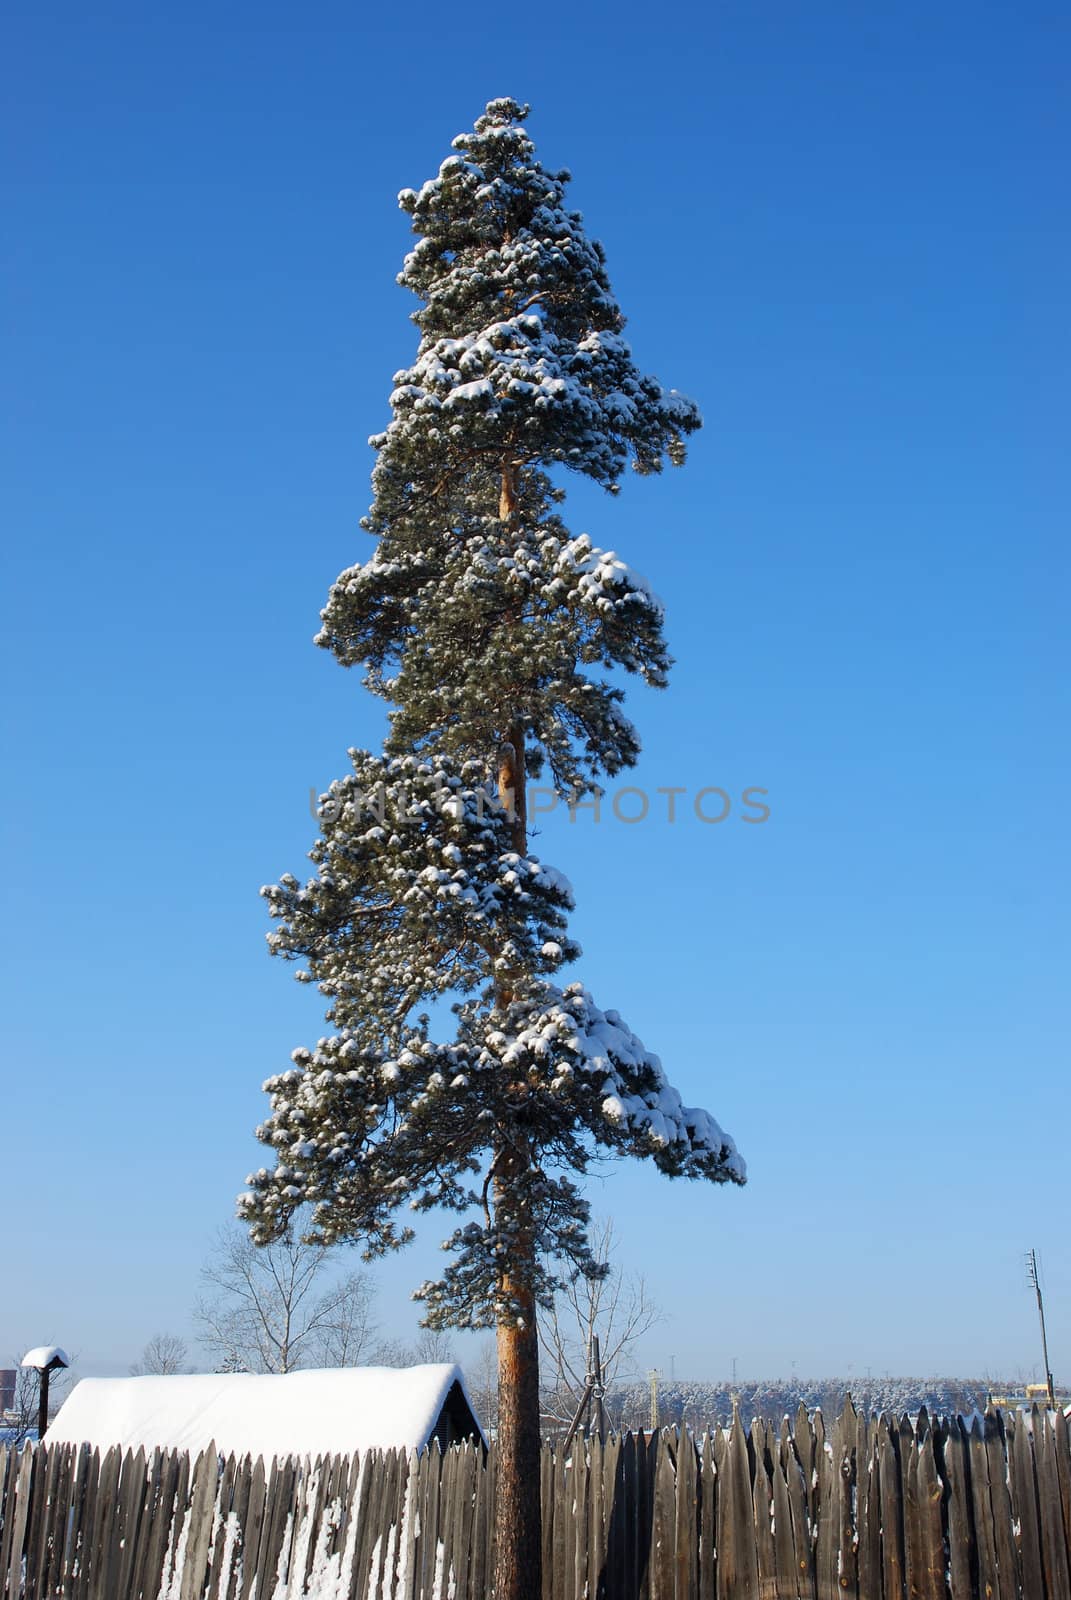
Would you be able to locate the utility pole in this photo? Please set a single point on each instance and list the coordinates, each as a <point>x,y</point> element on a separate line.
<point>1035,1284</point>
<point>654,1399</point>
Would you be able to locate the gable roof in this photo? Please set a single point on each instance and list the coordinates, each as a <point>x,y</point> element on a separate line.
<point>322,1412</point>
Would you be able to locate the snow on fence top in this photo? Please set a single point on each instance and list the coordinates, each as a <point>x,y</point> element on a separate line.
<point>332,1412</point>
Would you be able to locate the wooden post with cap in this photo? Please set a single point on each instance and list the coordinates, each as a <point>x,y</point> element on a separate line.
<point>44,1359</point>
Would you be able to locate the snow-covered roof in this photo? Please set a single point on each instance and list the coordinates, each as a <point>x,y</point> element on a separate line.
<point>43,1355</point>
<point>332,1412</point>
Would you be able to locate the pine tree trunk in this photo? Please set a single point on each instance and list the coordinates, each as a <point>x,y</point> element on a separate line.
<point>518,1523</point>
<point>518,1513</point>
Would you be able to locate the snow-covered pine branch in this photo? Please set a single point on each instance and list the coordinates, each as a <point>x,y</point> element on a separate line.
<point>380,1116</point>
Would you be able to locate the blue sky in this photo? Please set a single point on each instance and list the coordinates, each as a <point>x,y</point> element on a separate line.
<point>843,230</point>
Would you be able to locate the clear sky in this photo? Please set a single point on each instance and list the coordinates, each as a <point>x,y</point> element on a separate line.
<point>841,227</point>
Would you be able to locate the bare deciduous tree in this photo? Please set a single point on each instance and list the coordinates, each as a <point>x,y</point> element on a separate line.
<point>348,1326</point>
<point>430,1345</point>
<point>392,1352</point>
<point>481,1376</point>
<point>433,1345</point>
<point>163,1356</point>
<point>275,1308</point>
<point>617,1308</point>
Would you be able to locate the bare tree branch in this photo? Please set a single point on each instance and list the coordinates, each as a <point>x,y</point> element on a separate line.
<point>617,1308</point>
<point>481,1376</point>
<point>165,1354</point>
<point>263,1314</point>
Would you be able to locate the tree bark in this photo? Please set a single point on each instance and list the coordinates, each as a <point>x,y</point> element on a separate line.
<point>518,1512</point>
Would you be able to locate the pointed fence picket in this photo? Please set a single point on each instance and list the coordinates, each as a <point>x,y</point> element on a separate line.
<point>865,1508</point>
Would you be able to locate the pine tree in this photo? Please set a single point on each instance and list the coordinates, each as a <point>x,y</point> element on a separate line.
<point>490,629</point>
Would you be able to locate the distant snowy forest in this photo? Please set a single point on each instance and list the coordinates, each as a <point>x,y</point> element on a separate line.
<point>706,1405</point>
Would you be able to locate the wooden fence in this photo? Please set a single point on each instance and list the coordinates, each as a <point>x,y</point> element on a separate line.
<point>870,1509</point>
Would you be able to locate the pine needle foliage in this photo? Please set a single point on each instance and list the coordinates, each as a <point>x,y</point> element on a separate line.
<point>492,631</point>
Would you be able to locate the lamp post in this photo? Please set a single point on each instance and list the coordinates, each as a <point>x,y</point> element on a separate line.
<point>45,1359</point>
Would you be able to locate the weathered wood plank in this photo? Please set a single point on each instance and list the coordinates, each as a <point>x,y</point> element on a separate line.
<point>599,1497</point>
<point>762,1506</point>
<point>687,1513</point>
<point>738,1573</point>
<point>54,1534</point>
<point>929,1546</point>
<point>114,1531</point>
<point>221,1563</point>
<point>135,1487</point>
<point>348,1530</point>
<point>491,1479</point>
<point>890,1489</point>
<point>822,1500</point>
<point>15,1526</point>
<point>9,1473</point>
<point>578,1576</point>
<point>800,1508</point>
<point>708,1528</point>
<point>253,1529</point>
<point>431,1462</point>
<point>548,1504</point>
<point>385,1477</point>
<point>663,1533</point>
<point>985,1545</point>
<point>1056,1538</point>
<point>1026,1512</point>
<point>466,1520</point>
<point>142,1544</point>
<point>101,1543</point>
<point>202,1503</point>
<point>66,1582</point>
<point>407,1532</point>
<point>1062,1443</point>
<point>784,1545</point>
<point>1009,1583</point>
<point>845,1484</point>
<point>451,1497</point>
<point>483,1524</point>
<point>910,1491</point>
<point>621,1565</point>
<point>36,1548</point>
<point>803,1437</point>
<point>867,1510</point>
<point>956,1472</point>
<point>159,1526</point>
<point>638,1512</point>
<point>646,1482</point>
<point>253,1526</point>
<point>65,1533</point>
<point>371,1500</point>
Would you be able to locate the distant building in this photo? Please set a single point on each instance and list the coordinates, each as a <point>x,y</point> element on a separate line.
<point>1034,1394</point>
<point>327,1412</point>
<point>8,1376</point>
